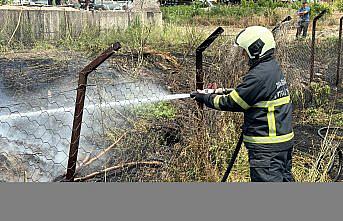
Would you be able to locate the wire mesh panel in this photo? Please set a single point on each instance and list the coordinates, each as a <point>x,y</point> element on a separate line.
<point>119,138</point>
<point>36,113</point>
<point>299,51</point>
<point>325,65</point>
<point>121,130</point>
<point>294,55</point>
<point>35,135</point>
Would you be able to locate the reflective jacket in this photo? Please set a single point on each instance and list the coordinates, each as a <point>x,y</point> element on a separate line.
<point>264,98</point>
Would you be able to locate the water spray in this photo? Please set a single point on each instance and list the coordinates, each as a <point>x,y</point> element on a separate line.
<point>122,103</point>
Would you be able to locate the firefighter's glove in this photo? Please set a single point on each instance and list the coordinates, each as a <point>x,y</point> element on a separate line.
<point>223,91</point>
<point>198,96</point>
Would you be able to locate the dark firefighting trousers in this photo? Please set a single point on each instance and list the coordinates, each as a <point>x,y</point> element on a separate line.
<point>271,166</point>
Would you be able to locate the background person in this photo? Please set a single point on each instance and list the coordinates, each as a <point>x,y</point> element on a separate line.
<point>304,20</point>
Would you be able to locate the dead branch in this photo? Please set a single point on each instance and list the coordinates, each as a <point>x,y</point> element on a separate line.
<point>16,28</point>
<point>164,55</point>
<point>89,161</point>
<point>120,167</point>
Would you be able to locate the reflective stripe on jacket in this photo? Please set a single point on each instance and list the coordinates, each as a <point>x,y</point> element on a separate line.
<point>264,98</point>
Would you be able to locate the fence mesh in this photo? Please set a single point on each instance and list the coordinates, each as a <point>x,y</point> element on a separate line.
<point>35,121</point>
<point>132,129</point>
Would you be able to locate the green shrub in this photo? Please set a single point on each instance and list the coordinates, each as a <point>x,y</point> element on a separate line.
<point>271,4</point>
<point>339,5</point>
<point>296,5</point>
<point>244,3</point>
<point>317,8</point>
<point>234,11</point>
<point>196,14</point>
<point>320,93</point>
<point>181,13</point>
<point>159,110</point>
<point>251,4</point>
<point>299,97</point>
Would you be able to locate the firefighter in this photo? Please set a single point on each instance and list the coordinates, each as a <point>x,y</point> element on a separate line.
<point>263,97</point>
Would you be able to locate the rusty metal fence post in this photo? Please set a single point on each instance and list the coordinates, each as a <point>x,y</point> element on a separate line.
<point>339,51</point>
<point>79,105</point>
<point>199,77</point>
<point>314,24</point>
<point>286,19</point>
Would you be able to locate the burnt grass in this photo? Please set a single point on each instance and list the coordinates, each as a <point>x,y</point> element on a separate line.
<point>28,72</point>
<point>309,119</point>
<point>160,139</point>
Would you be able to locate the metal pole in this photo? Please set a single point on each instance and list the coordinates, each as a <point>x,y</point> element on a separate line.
<point>79,104</point>
<point>339,50</point>
<point>288,18</point>
<point>313,43</point>
<point>199,78</point>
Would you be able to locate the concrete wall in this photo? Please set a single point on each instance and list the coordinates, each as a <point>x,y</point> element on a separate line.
<point>146,5</point>
<point>58,22</point>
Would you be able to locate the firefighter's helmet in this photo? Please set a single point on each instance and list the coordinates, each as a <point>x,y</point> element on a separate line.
<point>256,41</point>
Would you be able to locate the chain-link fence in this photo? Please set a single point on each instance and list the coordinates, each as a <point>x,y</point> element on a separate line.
<point>133,129</point>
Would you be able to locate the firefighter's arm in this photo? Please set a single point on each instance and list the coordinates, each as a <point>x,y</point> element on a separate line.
<point>238,100</point>
<point>218,101</point>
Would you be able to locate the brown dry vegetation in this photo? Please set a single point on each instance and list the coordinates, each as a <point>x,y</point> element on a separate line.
<point>204,146</point>
<point>191,148</point>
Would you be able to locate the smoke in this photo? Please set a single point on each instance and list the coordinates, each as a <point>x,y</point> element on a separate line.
<point>37,108</point>
<point>42,127</point>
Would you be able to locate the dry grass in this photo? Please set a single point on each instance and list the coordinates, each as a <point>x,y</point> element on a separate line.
<point>314,168</point>
<point>206,145</point>
<point>203,146</point>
